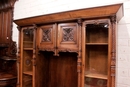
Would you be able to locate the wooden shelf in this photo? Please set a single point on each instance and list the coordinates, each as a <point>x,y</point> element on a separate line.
<point>28,48</point>
<point>27,80</point>
<point>8,58</point>
<point>98,76</point>
<point>6,76</point>
<point>28,73</point>
<point>96,43</point>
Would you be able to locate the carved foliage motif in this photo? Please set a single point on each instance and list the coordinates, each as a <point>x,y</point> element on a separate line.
<point>68,34</point>
<point>46,37</point>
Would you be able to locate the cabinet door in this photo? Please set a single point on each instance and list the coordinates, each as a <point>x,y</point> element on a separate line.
<point>68,37</point>
<point>46,38</point>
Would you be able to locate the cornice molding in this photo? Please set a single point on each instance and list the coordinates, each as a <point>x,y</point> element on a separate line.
<point>86,13</point>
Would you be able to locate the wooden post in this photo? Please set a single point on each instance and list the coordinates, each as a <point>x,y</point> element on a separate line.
<point>113,53</point>
<point>18,58</point>
<point>79,60</point>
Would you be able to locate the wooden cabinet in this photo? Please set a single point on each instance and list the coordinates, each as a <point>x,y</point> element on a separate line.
<point>28,49</point>
<point>97,52</point>
<point>56,37</point>
<point>69,49</point>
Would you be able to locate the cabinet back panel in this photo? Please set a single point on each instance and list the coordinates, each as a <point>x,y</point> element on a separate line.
<point>63,70</point>
<point>96,34</point>
<point>27,60</point>
<point>96,59</point>
<point>58,71</point>
<point>28,35</point>
<point>27,81</point>
<point>42,69</point>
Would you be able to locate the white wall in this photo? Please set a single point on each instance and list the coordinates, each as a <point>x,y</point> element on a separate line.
<point>123,46</point>
<point>29,8</point>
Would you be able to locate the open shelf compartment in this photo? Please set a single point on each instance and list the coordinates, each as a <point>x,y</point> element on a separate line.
<point>97,33</point>
<point>27,62</point>
<point>27,81</point>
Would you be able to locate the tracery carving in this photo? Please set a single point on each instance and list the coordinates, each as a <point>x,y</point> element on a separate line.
<point>46,35</point>
<point>68,34</point>
<point>47,49</point>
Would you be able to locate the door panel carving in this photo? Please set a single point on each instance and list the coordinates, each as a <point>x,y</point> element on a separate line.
<point>46,37</point>
<point>68,37</point>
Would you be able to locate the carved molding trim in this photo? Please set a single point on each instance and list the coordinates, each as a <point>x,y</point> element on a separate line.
<point>47,49</point>
<point>79,22</point>
<point>34,26</point>
<point>67,50</point>
<point>6,4</point>
<point>113,19</point>
<point>19,28</point>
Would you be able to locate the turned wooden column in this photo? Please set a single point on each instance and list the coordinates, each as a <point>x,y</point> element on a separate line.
<point>79,60</point>
<point>113,53</point>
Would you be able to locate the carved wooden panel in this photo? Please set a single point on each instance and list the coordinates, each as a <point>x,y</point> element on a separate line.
<point>68,34</point>
<point>67,37</point>
<point>46,34</point>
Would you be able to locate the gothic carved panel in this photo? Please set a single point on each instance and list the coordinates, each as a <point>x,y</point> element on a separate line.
<point>68,37</point>
<point>68,34</point>
<point>46,34</point>
<point>46,37</point>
